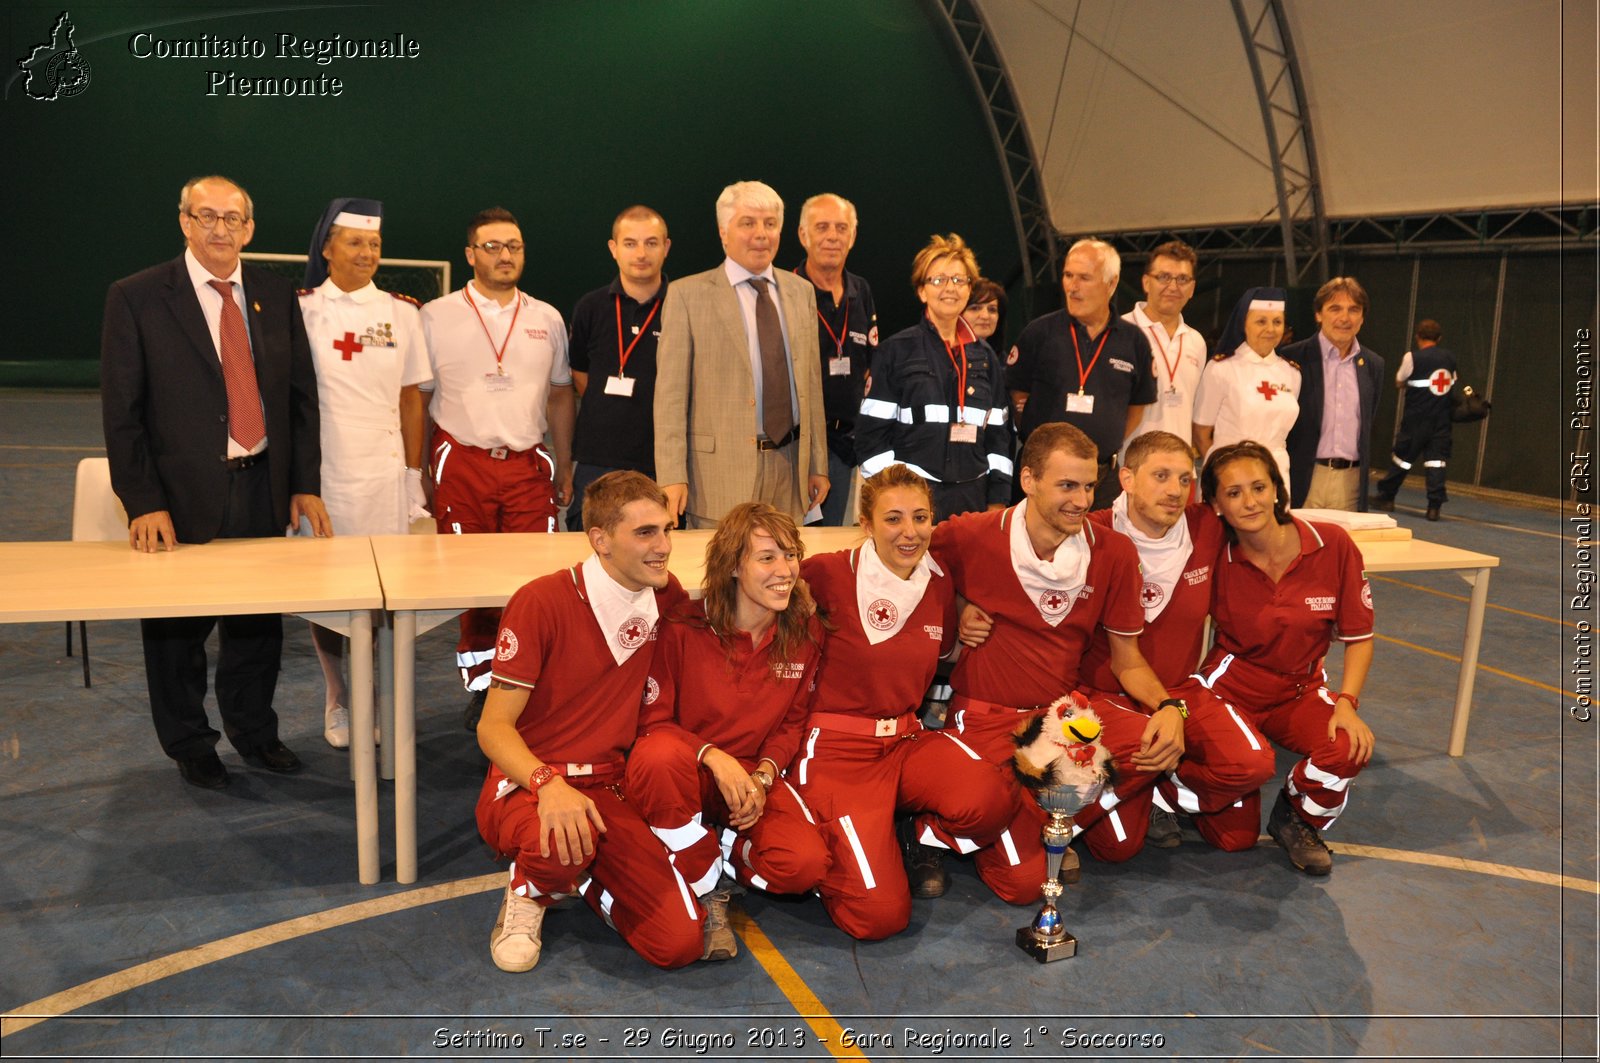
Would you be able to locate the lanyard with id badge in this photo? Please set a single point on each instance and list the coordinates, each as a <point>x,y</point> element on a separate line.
<point>1078,402</point>
<point>499,380</point>
<point>622,384</point>
<point>1172,396</point>
<point>960,432</point>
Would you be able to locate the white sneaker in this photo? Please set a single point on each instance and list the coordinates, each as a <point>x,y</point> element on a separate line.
<point>336,726</point>
<point>515,944</point>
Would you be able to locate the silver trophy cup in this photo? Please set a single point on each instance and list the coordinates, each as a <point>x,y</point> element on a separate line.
<point>1046,938</point>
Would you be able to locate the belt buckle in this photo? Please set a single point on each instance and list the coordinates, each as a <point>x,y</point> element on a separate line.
<point>580,769</point>
<point>884,728</point>
<point>498,453</point>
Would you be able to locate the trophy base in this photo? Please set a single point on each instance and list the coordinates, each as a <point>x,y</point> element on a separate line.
<point>1046,951</point>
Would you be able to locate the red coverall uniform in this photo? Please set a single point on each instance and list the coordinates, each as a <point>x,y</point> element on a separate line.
<point>1225,758</point>
<point>582,714</point>
<point>866,756</point>
<point>730,694</point>
<point>1271,641</point>
<point>1026,663</point>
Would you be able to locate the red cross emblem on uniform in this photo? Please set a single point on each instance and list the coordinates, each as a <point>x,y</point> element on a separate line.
<point>882,614</point>
<point>347,346</point>
<point>633,632</point>
<point>1267,390</point>
<point>1053,602</point>
<point>1439,383</point>
<point>1150,595</point>
<point>506,646</point>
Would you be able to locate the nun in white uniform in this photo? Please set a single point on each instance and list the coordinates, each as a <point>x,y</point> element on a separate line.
<point>368,349</point>
<point>1246,391</point>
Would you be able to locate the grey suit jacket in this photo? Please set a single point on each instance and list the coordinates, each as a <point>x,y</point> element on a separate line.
<point>705,392</point>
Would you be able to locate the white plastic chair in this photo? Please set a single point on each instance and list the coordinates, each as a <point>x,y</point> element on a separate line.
<point>97,517</point>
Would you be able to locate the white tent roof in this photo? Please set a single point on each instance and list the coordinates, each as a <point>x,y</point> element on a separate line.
<point>1144,114</point>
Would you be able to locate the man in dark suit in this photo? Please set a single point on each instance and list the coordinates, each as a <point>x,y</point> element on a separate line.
<point>209,401</point>
<point>1339,383</point>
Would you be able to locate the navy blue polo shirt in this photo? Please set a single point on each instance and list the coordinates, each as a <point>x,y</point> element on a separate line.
<point>849,328</point>
<point>1043,364</point>
<point>615,431</point>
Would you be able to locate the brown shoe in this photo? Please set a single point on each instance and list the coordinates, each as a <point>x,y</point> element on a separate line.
<point>1299,839</point>
<point>720,942</point>
<point>1164,831</point>
<point>924,864</point>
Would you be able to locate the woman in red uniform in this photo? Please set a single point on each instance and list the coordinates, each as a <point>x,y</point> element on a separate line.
<point>727,697</point>
<point>1284,589</point>
<point>865,756</point>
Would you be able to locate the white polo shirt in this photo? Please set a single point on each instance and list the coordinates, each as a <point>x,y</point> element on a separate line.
<point>479,398</point>
<point>1176,362</point>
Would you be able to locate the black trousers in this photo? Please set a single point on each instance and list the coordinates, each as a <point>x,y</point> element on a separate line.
<point>250,650</point>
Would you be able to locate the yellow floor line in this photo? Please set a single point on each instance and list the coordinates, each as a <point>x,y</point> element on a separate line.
<point>1464,598</point>
<point>788,980</point>
<point>1456,863</point>
<point>80,996</point>
<point>1491,669</point>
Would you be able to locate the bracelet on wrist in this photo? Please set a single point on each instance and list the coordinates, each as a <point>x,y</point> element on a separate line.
<point>1176,703</point>
<point>700,757</point>
<point>543,774</point>
<point>1355,702</point>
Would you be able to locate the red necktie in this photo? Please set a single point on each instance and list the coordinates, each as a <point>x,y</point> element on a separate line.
<point>245,424</point>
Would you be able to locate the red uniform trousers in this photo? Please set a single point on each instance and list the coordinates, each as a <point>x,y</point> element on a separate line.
<point>629,881</point>
<point>1226,761</point>
<point>1293,711</point>
<point>782,852</point>
<point>856,782</point>
<point>477,491</point>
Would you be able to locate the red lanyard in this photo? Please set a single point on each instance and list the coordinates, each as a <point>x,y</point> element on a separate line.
<point>960,368</point>
<point>499,355</point>
<point>844,330</point>
<point>1083,374</point>
<point>624,352</point>
<point>1170,367</point>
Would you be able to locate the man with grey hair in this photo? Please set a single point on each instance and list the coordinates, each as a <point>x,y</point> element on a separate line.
<point>209,401</point>
<point>847,332</point>
<point>1084,365</point>
<point>738,403</point>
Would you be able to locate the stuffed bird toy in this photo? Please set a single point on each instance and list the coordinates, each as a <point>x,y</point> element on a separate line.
<point>1060,756</point>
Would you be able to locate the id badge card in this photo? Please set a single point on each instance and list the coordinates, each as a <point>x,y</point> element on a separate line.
<point>620,385</point>
<point>839,366</point>
<point>1077,402</point>
<point>499,382</point>
<point>963,433</point>
<point>1172,397</point>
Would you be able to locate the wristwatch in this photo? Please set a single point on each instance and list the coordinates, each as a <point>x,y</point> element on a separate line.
<point>1177,703</point>
<point>763,777</point>
<point>541,775</point>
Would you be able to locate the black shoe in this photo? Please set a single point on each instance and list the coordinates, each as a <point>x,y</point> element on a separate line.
<point>1381,504</point>
<point>924,864</point>
<point>1433,512</point>
<point>474,710</point>
<point>274,756</point>
<point>1164,831</point>
<point>205,771</point>
<point>1299,839</point>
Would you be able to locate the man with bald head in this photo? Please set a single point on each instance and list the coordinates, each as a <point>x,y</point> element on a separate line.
<point>1083,364</point>
<point>209,402</point>
<point>738,404</point>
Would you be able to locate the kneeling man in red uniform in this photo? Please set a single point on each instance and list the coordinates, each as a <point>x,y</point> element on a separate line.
<point>563,707</point>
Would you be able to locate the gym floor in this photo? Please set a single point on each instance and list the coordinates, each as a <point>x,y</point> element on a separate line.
<point>146,919</point>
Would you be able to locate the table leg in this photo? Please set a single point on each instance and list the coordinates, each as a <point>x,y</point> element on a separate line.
<point>362,755</point>
<point>386,693</point>
<point>405,746</point>
<point>1479,579</point>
